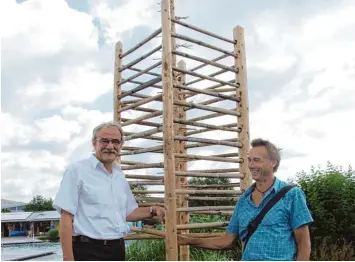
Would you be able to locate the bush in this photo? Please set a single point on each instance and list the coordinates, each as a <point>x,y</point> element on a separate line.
<point>53,235</point>
<point>330,196</point>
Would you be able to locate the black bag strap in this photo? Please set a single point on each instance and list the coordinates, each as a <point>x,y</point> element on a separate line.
<point>253,225</point>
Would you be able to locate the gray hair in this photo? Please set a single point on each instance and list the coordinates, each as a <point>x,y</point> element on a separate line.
<point>272,150</point>
<point>107,124</point>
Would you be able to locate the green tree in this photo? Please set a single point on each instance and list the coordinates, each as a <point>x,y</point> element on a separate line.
<point>5,210</point>
<point>142,188</point>
<point>330,196</point>
<point>39,203</point>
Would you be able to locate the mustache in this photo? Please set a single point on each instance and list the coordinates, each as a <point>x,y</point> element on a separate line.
<point>110,151</point>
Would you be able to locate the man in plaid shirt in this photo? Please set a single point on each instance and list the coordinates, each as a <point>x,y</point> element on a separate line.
<point>283,234</point>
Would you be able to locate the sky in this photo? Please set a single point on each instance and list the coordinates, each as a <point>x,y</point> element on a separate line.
<point>57,62</point>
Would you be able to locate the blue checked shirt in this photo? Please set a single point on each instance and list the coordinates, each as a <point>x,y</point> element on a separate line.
<point>273,239</point>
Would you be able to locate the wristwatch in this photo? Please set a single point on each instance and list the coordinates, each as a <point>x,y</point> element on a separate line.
<point>152,213</point>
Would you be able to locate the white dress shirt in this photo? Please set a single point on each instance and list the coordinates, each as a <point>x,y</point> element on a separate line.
<point>99,201</point>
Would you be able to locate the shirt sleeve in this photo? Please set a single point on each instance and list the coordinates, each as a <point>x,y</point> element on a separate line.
<point>233,227</point>
<point>68,194</point>
<point>299,212</point>
<point>131,200</point>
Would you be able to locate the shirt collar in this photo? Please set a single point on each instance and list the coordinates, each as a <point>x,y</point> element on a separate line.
<point>95,162</point>
<point>275,188</point>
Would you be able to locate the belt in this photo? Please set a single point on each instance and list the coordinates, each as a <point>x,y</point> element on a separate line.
<point>85,239</point>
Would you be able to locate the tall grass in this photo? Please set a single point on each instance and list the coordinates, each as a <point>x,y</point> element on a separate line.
<point>154,250</point>
<point>326,250</point>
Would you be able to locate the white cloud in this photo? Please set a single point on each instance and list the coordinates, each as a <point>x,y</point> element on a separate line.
<point>42,28</point>
<point>13,131</point>
<point>57,129</point>
<point>83,84</point>
<point>118,20</point>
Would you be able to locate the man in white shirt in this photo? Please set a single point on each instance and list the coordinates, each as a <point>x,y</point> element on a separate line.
<point>95,202</point>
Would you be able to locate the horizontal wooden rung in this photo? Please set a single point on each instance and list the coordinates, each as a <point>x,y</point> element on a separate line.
<point>139,103</point>
<point>208,158</point>
<point>207,92</point>
<point>145,182</point>
<point>136,61</point>
<point>140,87</point>
<point>143,123</point>
<point>202,225</point>
<point>204,208</point>
<point>205,191</point>
<point>143,42</point>
<point>204,77</point>
<point>142,166</point>
<point>222,111</point>
<point>143,150</point>
<point>151,204</point>
<point>157,199</point>
<point>200,30</point>
<point>206,61</point>
<point>230,185</point>
<point>219,170</point>
<point>232,199</point>
<point>221,213</point>
<point>138,119</point>
<point>150,177</point>
<point>218,58</point>
<point>142,236</point>
<point>208,141</point>
<point>215,175</point>
<point>148,230</point>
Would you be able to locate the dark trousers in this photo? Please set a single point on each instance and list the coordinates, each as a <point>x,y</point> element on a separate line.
<point>86,249</point>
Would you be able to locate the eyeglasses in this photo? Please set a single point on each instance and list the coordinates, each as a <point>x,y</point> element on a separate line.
<point>106,141</point>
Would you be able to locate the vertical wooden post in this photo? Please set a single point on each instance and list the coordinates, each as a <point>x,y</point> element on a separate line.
<point>181,165</point>
<point>117,78</point>
<point>117,88</point>
<point>171,248</point>
<point>243,105</point>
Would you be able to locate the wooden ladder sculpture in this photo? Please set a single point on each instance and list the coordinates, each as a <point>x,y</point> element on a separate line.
<point>162,119</point>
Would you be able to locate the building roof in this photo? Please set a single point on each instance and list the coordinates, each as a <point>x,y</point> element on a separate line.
<point>15,217</point>
<point>44,216</point>
<point>5,203</point>
<point>30,216</point>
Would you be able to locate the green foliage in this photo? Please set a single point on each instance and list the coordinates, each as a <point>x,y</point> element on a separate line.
<point>43,238</point>
<point>139,187</point>
<point>154,250</point>
<point>146,250</point>
<point>39,203</point>
<point>5,210</point>
<point>53,235</point>
<point>330,197</point>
